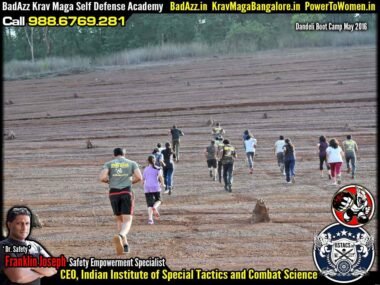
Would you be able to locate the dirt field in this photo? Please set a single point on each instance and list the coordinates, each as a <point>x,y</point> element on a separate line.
<point>305,93</point>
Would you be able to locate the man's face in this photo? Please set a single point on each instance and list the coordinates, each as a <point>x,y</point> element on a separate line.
<point>20,227</point>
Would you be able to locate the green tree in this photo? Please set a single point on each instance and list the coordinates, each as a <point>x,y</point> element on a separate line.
<point>250,35</point>
<point>311,38</point>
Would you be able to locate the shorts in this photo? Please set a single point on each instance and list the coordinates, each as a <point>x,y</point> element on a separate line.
<point>211,163</point>
<point>280,158</point>
<point>122,201</point>
<point>152,198</point>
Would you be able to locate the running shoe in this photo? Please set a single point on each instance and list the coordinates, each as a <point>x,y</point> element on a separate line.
<point>150,222</point>
<point>166,191</point>
<point>118,242</point>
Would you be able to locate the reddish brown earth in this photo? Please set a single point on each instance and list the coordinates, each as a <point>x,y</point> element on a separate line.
<point>305,93</point>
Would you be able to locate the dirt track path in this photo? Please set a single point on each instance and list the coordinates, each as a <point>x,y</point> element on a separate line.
<point>304,93</point>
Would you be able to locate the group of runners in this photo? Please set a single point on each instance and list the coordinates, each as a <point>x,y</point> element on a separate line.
<point>285,152</point>
<point>220,155</point>
<point>331,154</point>
<point>121,173</point>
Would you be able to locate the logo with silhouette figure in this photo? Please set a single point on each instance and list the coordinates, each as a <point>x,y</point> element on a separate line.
<point>353,206</point>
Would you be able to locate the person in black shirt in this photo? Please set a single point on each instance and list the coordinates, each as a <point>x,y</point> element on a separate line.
<point>168,168</point>
<point>290,161</point>
<point>228,155</point>
<point>18,222</point>
<point>322,146</point>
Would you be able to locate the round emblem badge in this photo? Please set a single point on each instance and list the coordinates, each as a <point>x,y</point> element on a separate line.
<point>353,205</point>
<point>343,254</point>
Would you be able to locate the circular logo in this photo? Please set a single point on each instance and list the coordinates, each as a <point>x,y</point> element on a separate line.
<point>353,205</point>
<point>343,254</point>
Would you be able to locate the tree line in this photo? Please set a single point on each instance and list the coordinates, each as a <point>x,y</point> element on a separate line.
<point>230,31</point>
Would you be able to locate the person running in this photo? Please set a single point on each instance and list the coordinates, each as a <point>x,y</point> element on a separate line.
<point>250,144</point>
<point>168,168</point>
<point>159,158</point>
<point>228,154</point>
<point>159,146</point>
<point>220,146</point>
<point>334,155</point>
<point>120,173</point>
<point>217,131</point>
<point>176,134</point>
<point>322,146</point>
<point>279,152</point>
<point>246,133</point>
<point>152,181</point>
<point>211,156</point>
<point>289,161</point>
<point>350,149</point>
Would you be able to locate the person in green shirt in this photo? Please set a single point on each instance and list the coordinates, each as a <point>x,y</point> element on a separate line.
<point>120,173</point>
<point>351,150</point>
<point>176,134</point>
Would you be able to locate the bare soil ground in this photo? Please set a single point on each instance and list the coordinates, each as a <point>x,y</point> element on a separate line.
<point>305,94</point>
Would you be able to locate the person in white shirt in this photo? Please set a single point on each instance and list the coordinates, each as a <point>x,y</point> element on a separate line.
<point>334,155</point>
<point>279,152</point>
<point>250,148</point>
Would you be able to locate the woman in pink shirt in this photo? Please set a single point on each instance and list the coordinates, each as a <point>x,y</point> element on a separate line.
<point>152,181</point>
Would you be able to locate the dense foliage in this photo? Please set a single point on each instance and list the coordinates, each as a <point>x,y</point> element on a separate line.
<point>236,32</point>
